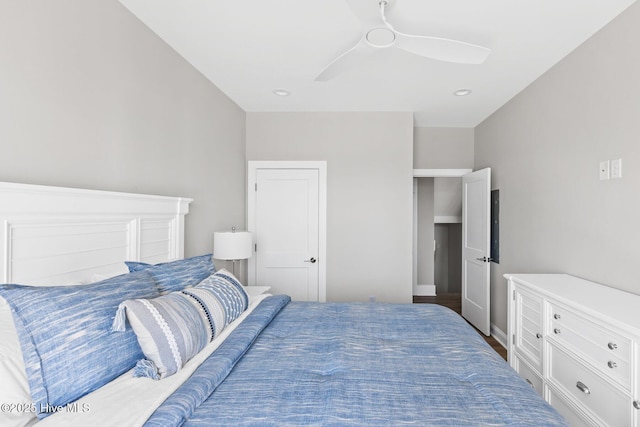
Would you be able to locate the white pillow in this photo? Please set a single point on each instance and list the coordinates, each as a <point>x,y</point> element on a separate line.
<point>15,387</point>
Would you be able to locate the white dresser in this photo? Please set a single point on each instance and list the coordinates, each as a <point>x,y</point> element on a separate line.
<point>578,344</point>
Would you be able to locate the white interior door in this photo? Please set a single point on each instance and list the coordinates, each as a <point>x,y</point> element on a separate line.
<point>285,216</point>
<point>476,246</point>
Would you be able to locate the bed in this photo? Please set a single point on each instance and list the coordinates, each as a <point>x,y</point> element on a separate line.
<point>103,322</point>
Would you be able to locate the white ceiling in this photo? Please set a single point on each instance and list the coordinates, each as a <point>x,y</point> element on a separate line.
<point>249,48</point>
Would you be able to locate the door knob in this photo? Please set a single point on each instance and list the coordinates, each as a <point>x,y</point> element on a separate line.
<point>311,260</point>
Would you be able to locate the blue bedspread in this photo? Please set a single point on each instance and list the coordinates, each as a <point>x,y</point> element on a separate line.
<point>336,364</point>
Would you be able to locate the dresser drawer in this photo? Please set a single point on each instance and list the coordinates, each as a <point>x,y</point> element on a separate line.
<point>608,351</point>
<point>529,375</point>
<point>569,413</point>
<point>528,331</point>
<point>589,389</point>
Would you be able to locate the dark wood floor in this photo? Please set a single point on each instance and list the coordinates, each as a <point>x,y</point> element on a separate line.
<point>454,302</point>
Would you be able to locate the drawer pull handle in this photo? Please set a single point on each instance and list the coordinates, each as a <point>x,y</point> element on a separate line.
<point>612,364</point>
<point>531,384</point>
<point>636,404</point>
<point>556,316</point>
<point>583,388</point>
<point>612,346</point>
<point>556,331</point>
<point>538,335</point>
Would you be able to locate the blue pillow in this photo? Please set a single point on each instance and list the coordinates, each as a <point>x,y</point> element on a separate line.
<point>65,336</point>
<point>177,275</point>
<point>173,328</point>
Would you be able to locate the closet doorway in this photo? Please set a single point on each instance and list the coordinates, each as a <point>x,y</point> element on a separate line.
<point>447,268</point>
<point>437,225</point>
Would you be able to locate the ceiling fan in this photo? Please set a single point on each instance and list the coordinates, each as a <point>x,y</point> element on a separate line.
<point>380,34</point>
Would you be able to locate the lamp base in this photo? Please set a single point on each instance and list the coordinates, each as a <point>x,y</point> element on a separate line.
<point>233,267</point>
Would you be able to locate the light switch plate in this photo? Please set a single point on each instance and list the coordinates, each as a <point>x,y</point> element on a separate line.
<point>616,168</point>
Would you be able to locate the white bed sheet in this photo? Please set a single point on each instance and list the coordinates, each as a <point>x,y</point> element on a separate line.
<point>129,401</point>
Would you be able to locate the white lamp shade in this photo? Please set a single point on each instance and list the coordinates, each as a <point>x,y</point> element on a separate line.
<point>228,245</point>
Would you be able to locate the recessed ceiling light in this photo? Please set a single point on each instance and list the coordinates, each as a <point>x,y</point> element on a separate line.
<point>462,92</point>
<point>281,92</point>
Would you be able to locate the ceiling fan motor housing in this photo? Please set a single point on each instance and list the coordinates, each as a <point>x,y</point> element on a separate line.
<point>381,37</point>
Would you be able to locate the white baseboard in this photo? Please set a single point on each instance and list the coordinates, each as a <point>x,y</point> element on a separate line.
<point>424,290</point>
<point>499,335</point>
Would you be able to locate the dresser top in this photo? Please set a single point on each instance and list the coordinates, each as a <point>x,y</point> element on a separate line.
<point>618,305</point>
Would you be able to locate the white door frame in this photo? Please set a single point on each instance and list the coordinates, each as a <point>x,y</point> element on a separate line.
<point>427,289</point>
<point>321,167</point>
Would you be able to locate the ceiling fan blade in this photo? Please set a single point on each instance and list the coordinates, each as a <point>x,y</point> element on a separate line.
<point>442,49</point>
<point>367,11</point>
<point>347,60</point>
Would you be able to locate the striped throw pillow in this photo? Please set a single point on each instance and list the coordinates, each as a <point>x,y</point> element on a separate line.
<point>173,328</point>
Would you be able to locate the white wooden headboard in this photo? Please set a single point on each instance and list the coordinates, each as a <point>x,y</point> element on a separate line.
<point>56,235</point>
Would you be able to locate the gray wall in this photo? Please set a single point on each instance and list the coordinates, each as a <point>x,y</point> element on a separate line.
<point>544,148</point>
<point>369,171</point>
<point>91,98</point>
<point>425,232</point>
<point>443,148</point>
